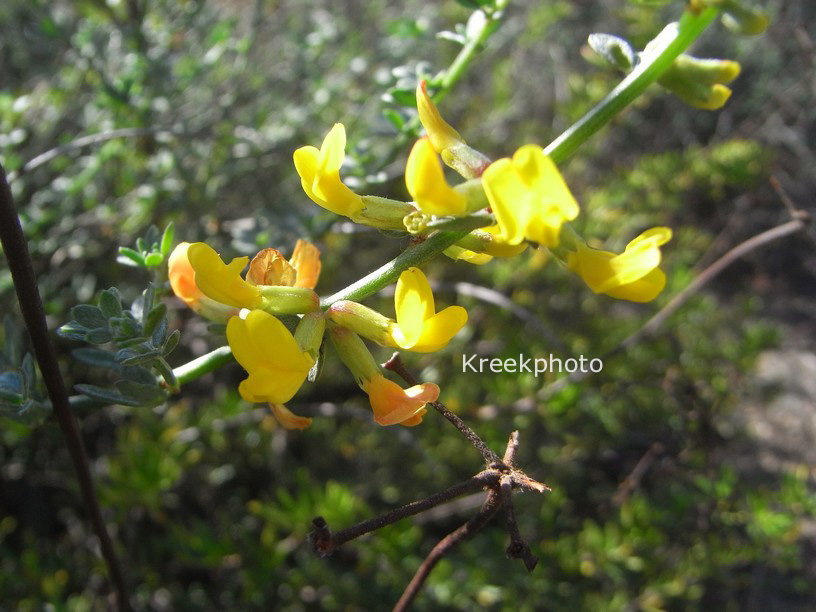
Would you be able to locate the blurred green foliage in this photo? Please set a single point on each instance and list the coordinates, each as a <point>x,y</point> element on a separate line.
<point>212,502</point>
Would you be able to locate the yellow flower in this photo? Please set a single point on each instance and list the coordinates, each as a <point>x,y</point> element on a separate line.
<point>182,276</point>
<point>419,327</point>
<point>633,275</point>
<point>182,281</point>
<point>269,267</point>
<point>529,197</point>
<point>393,405</point>
<point>440,133</point>
<point>222,282</point>
<point>427,185</point>
<point>319,172</point>
<point>277,365</point>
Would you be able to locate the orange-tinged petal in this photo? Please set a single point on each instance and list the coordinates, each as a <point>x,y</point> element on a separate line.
<point>394,405</point>
<point>182,276</point>
<point>288,419</point>
<point>269,267</point>
<point>306,262</point>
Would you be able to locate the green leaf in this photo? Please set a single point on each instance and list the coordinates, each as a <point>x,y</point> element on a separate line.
<point>110,396</point>
<point>29,374</point>
<point>98,336</point>
<point>110,304</point>
<point>167,372</point>
<point>72,331</point>
<point>167,239</point>
<point>143,395</point>
<point>141,358</point>
<point>95,357</point>
<point>171,343</point>
<point>614,50</point>
<point>394,118</point>
<point>89,316</point>
<point>159,335</point>
<point>129,257</point>
<point>154,260</point>
<point>141,245</point>
<point>402,96</point>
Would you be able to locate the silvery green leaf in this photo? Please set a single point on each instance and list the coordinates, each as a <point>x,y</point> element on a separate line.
<point>98,336</point>
<point>95,357</point>
<point>109,304</point>
<point>89,316</point>
<point>110,396</point>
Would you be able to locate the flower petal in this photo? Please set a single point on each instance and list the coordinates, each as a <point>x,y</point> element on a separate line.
<point>288,419</point>
<point>394,405</point>
<point>427,185</point>
<point>414,303</point>
<point>306,261</point>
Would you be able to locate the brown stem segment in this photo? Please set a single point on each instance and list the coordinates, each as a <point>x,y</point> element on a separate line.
<point>324,542</point>
<point>22,273</point>
<point>396,365</point>
<point>488,509</point>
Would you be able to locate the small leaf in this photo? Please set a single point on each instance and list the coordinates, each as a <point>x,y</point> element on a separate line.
<point>29,374</point>
<point>403,96</point>
<point>159,335</point>
<point>143,395</point>
<point>11,385</point>
<point>614,50</point>
<point>141,245</point>
<point>167,239</point>
<point>12,340</point>
<point>141,358</point>
<point>95,357</point>
<point>89,316</point>
<point>167,373</point>
<point>171,343</point>
<point>394,118</point>
<point>151,238</point>
<point>98,336</point>
<point>110,396</point>
<point>154,260</point>
<point>109,304</point>
<point>72,331</point>
<point>129,257</point>
<point>138,374</point>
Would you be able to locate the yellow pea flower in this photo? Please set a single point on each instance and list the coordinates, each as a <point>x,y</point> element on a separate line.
<point>440,133</point>
<point>633,275</point>
<point>277,365</point>
<point>222,282</point>
<point>529,197</point>
<point>393,405</point>
<point>319,171</point>
<point>182,281</point>
<point>418,326</point>
<point>427,185</point>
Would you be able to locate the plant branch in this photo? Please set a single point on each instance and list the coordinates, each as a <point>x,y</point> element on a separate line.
<point>324,542</point>
<point>489,508</point>
<point>689,28</point>
<point>396,365</point>
<point>25,284</point>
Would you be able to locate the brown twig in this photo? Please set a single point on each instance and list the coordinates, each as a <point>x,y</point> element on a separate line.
<point>396,365</point>
<point>324,542</point>
<point>22,273</point>
<point>633,480</point>
<point>489,508</point>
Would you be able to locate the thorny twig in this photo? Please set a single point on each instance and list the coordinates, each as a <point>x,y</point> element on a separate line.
<point>25,283</point>
<point>500,478</point>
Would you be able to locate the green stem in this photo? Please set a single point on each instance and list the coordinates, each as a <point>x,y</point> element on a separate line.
<point>689,28</point>
<point>414,256</point>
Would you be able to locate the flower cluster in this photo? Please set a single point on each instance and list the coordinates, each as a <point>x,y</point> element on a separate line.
<point>518,201</point>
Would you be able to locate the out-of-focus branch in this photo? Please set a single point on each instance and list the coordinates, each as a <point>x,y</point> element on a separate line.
<point>28,295</point>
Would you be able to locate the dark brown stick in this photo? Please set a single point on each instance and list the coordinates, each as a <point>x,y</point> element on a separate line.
<point>22,272</point>
<point>396,365</point>
<point>491,505</point>
<point>324,542</point>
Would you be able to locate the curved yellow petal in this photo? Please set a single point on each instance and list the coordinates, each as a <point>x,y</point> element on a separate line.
<point>414,303</point>
<point>276,365</point>
<point>394,405</point>
<point>441,135</point>
<point>458,253</point>
<point>427,185</point>
<point>319,172</point>
<point>440,328</point>
<point>529,197</point>
<point>219,281</point>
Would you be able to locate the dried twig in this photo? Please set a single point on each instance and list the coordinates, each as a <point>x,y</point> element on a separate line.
<point>25,284</point>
